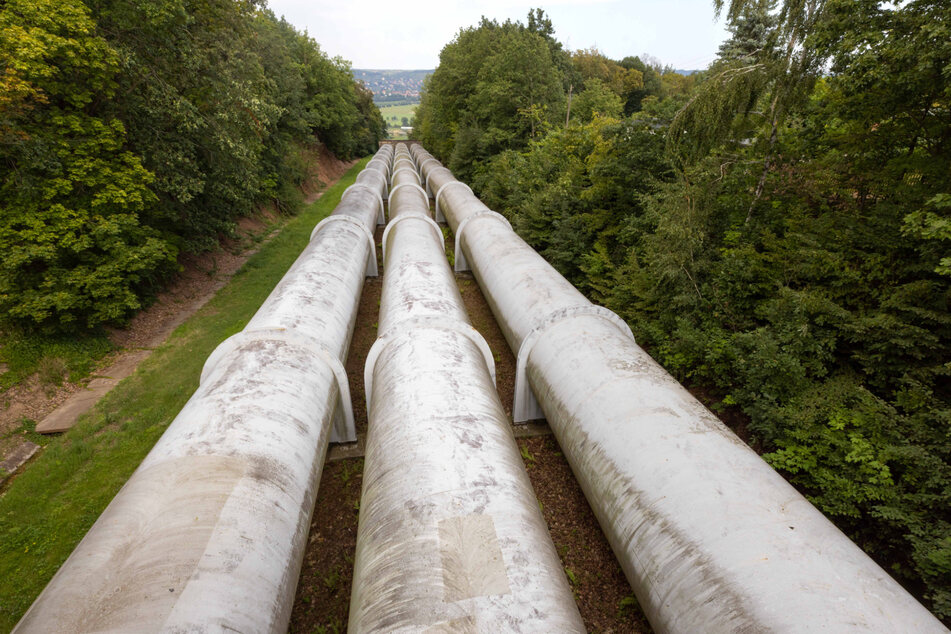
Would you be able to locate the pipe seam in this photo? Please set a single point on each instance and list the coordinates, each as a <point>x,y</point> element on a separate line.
<point>372,269</point>
<point>344,427</point>
<point>525,404</point>
<point>389,200</point>
<point>439,215</point>
<point>461,263</point>
<point>381,219</point>
<point>414,325</point>
<point>394,221</point>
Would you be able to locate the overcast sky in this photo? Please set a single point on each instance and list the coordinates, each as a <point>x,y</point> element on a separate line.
<point>409,35</point>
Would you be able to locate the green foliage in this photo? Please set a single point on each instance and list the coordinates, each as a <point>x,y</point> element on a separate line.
<point>134,129</point>
<point>24,353</point>
<point>780,239</point>
<point>596,99</point>
<point>75,250</point>
<point>592,65</point>
<point>496,87</point>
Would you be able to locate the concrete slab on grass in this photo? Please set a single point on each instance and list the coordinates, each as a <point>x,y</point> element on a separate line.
<point>20,455</point>
<point>66,415</point>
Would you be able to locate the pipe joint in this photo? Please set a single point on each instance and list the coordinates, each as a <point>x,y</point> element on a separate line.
<point>389,201</point>
<point>461,263</point>
<point>423,164</point>
<point>525,406</point>
<point>395,221</point>
<point>373,162</point>
<point>405,168</point>
<point>344,429</point>
<point>381,218</point>
<point>372,269</point>
<point>440,217</point>
<point>409,327</point>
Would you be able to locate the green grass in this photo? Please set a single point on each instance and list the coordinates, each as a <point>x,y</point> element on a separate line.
<point>46,509</point>
<point>399,112</point>
<point>54,358</point>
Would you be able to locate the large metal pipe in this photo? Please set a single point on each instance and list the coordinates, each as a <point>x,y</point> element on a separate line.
<point>209,532</point>
<point>711,538</point>
<point>450,535</point>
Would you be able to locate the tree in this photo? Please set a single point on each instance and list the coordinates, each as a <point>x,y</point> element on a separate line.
<point>496,86</point>
<point>75,252</point>
<point>596,99</point>
<point>134,129</point>
<point>592,64</point>
<point>651,84</point>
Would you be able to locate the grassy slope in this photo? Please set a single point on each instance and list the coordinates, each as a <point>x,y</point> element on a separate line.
<point>48,508</point>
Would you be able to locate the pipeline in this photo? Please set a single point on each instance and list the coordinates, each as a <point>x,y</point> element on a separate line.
<point>711,538</point>
<point>450,535</point>
<point>209,532</point>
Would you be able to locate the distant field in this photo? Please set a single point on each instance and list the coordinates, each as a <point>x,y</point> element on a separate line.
<point>389,112</point>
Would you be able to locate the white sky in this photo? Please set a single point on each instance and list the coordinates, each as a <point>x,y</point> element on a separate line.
<point>410,35</point>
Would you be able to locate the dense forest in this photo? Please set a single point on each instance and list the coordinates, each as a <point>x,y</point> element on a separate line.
<point>132,131</point>
<point>775,230</point>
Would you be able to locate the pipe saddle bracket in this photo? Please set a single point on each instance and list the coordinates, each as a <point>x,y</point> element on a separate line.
<point>386,166</point>
<point>426,180</point>
<point>344,428</point>
<point>461,263</point>
<point>405,168</point>
<point>395,221</point>
<point>372,268</point>
<point>407,328</point>
<point>381,218</point>
<point>525,406</point>
<point>440,217</point>
<point>389,200</point>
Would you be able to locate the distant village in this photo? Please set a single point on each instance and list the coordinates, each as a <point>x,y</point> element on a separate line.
<point>393,85</point>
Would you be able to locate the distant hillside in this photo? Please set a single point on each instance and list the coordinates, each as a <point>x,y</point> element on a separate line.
<point>392,85</point>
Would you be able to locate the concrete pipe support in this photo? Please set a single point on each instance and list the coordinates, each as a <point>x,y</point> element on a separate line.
<point>450,535</point>
<point>209,532</point>
<point>711,538</point>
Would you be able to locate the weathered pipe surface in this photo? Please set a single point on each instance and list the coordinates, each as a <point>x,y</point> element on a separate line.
<point>711,538</point>
<point>376,178</point>
<point>209,532</point>
<point>450,535</point>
